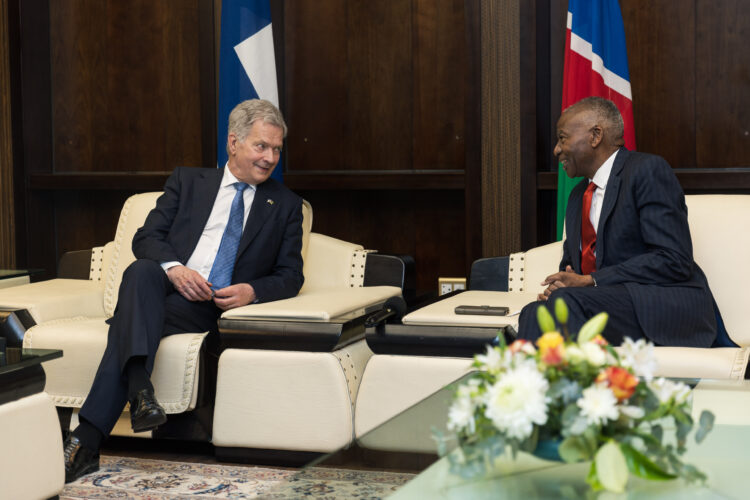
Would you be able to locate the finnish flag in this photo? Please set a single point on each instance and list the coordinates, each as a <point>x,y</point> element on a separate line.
<point>247,65</point>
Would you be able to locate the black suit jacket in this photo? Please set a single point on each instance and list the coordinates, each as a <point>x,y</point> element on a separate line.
<point>269,256</point>
<point>643,242</point>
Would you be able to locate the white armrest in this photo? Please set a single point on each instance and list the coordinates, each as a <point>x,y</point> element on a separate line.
<point>321,305</point>
<point>442,313</point>
<point>55,299</point>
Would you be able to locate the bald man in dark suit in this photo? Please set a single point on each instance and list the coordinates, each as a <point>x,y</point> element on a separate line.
<point>631,253</point>
<point>217,239</point>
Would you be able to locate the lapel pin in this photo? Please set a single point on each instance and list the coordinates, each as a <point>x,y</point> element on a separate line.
<point>269,201</point>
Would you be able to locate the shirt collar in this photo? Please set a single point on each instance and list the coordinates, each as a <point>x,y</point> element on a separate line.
<point>229,179</point>
<point>602,174</point>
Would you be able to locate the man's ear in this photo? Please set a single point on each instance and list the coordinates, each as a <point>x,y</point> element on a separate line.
<point>232,143</point>
<point>597,135</point>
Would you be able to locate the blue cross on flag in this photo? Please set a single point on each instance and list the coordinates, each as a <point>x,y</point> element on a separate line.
<point>247,64</point>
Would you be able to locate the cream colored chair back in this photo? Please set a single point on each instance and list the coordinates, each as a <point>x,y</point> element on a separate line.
<point>118,254</point>
<point>132,216</point>
<point>720,229</point>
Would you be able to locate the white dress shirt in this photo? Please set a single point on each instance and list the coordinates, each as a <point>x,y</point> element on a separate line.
<point>601,177</point>
<point>205,252</point>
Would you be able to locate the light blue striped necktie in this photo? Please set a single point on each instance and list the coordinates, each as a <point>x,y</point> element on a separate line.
<point>221,271</point>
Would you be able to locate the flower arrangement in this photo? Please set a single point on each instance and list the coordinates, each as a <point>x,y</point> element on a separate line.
<point>582,396</point>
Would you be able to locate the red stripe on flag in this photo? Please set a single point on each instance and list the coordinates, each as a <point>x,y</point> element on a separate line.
<point>581,81</point>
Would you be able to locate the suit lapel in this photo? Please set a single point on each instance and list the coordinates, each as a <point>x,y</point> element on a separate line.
<point>205,189</point>
<point>264,204</point>
<point>608,204</point>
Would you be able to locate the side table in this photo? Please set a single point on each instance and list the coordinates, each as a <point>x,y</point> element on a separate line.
<point>31,463</point>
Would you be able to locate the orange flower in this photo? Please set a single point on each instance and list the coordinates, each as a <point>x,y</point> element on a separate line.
<point>551,348</point>
<point>599,340</point>
<point>620,380</point>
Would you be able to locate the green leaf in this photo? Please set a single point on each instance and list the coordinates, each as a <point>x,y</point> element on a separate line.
<point>575,449</point>
<point>593,478</point>
<point>592,328</point>
<point>546,323</point>
<point>640,465</point>
<point>705,424</point>
<point>611,467</point>
<point>561,311</point>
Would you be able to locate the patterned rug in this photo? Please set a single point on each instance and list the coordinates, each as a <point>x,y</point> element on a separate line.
<point>142,479</point>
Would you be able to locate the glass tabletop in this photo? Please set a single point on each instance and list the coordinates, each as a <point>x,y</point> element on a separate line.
<point>16,358</point>
<point>405,444</point>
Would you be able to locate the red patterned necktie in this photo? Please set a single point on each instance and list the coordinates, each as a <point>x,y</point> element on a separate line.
<point>588,234</point>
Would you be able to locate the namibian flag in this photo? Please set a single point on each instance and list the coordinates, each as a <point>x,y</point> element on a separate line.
<point>247,63</point>
<point>596,64</point>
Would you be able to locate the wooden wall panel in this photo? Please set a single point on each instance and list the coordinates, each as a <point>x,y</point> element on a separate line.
<point>7,226</point>
<point>125,85</point>
<point>424,224</point>
<point>376,101</point>
<point>722,83</point>
<point>661,41</point>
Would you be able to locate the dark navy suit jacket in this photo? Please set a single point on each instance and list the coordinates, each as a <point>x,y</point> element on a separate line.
<point>269,256</point>
<point>643,242</point>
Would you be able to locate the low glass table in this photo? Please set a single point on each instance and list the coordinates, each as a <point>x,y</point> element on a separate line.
<point>405,444</point>
<point>21,372</point>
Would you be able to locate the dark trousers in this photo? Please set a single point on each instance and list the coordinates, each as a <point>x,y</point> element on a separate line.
<point>148,308</point>
<point>584,303</point>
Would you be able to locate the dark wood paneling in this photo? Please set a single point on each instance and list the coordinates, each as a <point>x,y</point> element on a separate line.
<point>377,106</point>
<point>126,85</point>
<point>423,224</point>
<point>722,83</point>
<point>661,40</point>
<point>439,69</point>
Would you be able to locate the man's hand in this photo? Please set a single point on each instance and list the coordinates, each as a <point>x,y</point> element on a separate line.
<point>189,283</point>
<point>233,296</point>
<point>563,279</point>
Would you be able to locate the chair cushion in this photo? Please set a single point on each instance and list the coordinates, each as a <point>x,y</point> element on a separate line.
<point>392,383</point>
<point>329,263</point>
<point>287,400</point>
<point>83,340</point>
<point>31,464</point>
<point>53,299</point>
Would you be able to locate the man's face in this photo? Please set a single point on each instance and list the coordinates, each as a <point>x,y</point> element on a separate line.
<point>253,159</point>
<point>574,143</point>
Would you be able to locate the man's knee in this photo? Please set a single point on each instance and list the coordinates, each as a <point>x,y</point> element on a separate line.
<point>143,270</point>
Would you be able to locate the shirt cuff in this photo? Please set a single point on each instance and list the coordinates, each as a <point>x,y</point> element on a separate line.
<point>168,265</point>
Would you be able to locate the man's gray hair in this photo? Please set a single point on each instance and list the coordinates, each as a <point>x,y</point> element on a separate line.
<point>248,112</point>
<point>606,111</point>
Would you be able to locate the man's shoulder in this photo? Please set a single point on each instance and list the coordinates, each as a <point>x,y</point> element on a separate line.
<point>272,186</point>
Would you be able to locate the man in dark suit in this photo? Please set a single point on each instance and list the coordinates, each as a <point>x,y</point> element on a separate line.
<point>628,249</point>
<point>217,239</point>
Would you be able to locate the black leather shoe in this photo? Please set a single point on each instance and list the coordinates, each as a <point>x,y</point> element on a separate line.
<point>79,460</point>
<point>145,412</point>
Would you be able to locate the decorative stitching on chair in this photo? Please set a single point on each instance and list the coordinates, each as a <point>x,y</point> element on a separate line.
<point>28,337</point>
<point>191,364</point>
<point>109,285</point>
<point>97,258</point>
<point>516,272</point>
<point>740,364</point>
<point>359,258</point>
<point>350,374</point>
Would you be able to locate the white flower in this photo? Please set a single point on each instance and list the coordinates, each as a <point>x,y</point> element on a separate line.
<point>461,412</point>
<point>640,357</point>
<point>518,400</point>
<point>598,404</point>
<point>494,360</point>
<point>667,389</point>
<point>633,412</point>
<point>595,355</point>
